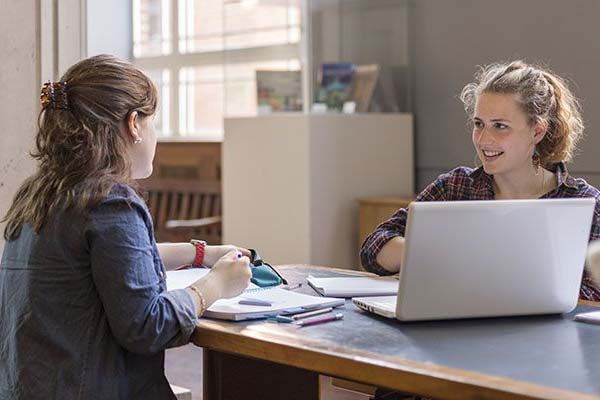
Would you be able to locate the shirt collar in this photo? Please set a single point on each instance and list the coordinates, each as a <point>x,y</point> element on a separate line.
<point>480,178</point>
<point>562,175</point>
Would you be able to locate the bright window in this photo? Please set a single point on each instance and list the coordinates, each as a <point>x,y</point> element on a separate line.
<point>204,61</point>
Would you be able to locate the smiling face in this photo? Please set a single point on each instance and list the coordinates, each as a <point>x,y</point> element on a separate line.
<point>503,136</point>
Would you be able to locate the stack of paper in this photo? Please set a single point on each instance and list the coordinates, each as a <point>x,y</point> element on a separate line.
<point>280,301</point>
<point>355,286</point>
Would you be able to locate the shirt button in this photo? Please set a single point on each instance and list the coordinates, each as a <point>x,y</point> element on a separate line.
<point>161,274</point>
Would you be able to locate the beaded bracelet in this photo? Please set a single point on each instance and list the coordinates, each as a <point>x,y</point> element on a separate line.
<point>200,297</point>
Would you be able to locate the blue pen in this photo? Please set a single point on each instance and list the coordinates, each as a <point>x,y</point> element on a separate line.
<point>281,318</point>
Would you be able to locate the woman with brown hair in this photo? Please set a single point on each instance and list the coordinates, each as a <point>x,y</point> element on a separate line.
<point>84,309</point>
<point>526,125</point>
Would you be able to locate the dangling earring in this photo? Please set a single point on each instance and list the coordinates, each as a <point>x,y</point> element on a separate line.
<point>536,161</point>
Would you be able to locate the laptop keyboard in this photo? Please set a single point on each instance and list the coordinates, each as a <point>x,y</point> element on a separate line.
<point>385,306</point>
<point>381,305</point>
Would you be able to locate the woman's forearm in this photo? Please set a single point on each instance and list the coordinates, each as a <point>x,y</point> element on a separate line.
<point>390,255</point>
<point>176,254</point>
<point>210,292</point>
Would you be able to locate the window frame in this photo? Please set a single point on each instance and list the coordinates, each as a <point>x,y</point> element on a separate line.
<point>176,60</point>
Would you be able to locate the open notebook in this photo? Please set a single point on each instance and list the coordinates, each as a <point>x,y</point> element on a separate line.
<point>283,301</point>
<point>355,286</point>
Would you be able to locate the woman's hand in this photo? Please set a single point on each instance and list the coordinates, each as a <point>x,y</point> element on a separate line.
<point>213,253</point>
<point>231,274</point>
<point>593,261</point>
<point>229,277</point>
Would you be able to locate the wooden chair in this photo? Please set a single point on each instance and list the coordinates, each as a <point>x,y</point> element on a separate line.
<point>184,209</point>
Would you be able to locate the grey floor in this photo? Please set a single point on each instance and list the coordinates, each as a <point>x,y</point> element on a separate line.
<point>183,367</point>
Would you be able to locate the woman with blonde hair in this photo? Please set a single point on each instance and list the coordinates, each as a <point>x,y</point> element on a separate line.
<point>84,309</point>
<point>526,125</point>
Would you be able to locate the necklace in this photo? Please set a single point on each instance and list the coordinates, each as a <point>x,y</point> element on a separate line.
<point>543,184</point>
<point>541,192</point>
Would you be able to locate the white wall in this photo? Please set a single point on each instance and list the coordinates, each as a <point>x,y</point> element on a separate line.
<point>444,40</point>
<point>360,31</point>
<point>450,37</point>
<point>291,181</point>
<point>19,78</point>
<point>109,29</point>
<point>363,32</point>
<point>36,47</point>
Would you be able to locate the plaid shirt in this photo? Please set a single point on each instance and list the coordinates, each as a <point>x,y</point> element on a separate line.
<point>465,183</point>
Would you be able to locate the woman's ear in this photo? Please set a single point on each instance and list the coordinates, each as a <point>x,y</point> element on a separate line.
<point>540,129</point>
<point>133,127</point>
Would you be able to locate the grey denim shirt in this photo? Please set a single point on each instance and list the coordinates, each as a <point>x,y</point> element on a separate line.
<point>84,311</point>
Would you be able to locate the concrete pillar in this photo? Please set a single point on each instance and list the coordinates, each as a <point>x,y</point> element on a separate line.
<point>19,93</point>
<point>38,39</point>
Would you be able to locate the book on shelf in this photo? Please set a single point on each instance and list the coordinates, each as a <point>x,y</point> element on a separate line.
<point>364,81</point>
<point>390,92</point>
<point>335,81</point>
<point>370,87</point>
<point>278,91</point>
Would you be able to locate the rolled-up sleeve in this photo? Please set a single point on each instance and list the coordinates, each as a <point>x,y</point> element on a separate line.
<point>127,274</point>
<point>393,227</point>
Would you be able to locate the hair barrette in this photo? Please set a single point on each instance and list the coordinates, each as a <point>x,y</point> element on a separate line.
<point>54,94</point>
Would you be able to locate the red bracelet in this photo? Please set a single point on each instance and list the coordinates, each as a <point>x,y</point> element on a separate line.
<point>200,249</point>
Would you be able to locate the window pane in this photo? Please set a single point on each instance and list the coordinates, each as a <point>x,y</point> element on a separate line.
<point>214,25</point>
<point>162,79</point>
<point>151,27</point>
<point>201,102</point>
<point>200,25</point>
<point>253,23</point>
<point>207,94</point>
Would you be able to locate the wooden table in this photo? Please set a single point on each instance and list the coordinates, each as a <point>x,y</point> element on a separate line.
<point>542,357</point>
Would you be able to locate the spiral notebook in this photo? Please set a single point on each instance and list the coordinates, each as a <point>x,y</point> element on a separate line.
<point>355,286</point>
<point>282,301</point>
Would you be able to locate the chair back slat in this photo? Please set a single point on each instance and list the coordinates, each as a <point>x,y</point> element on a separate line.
<point>161,213</point>
<point>206,204</point>
<point>218,206</point>
<point>174,198</point>
<point>195,207</point>
<point>184,206</point>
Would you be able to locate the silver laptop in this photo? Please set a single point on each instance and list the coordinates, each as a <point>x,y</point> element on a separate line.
<point>468,259</point>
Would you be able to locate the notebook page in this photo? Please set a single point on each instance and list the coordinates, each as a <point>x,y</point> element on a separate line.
<point>282,302</point>
<point>183,278</point>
